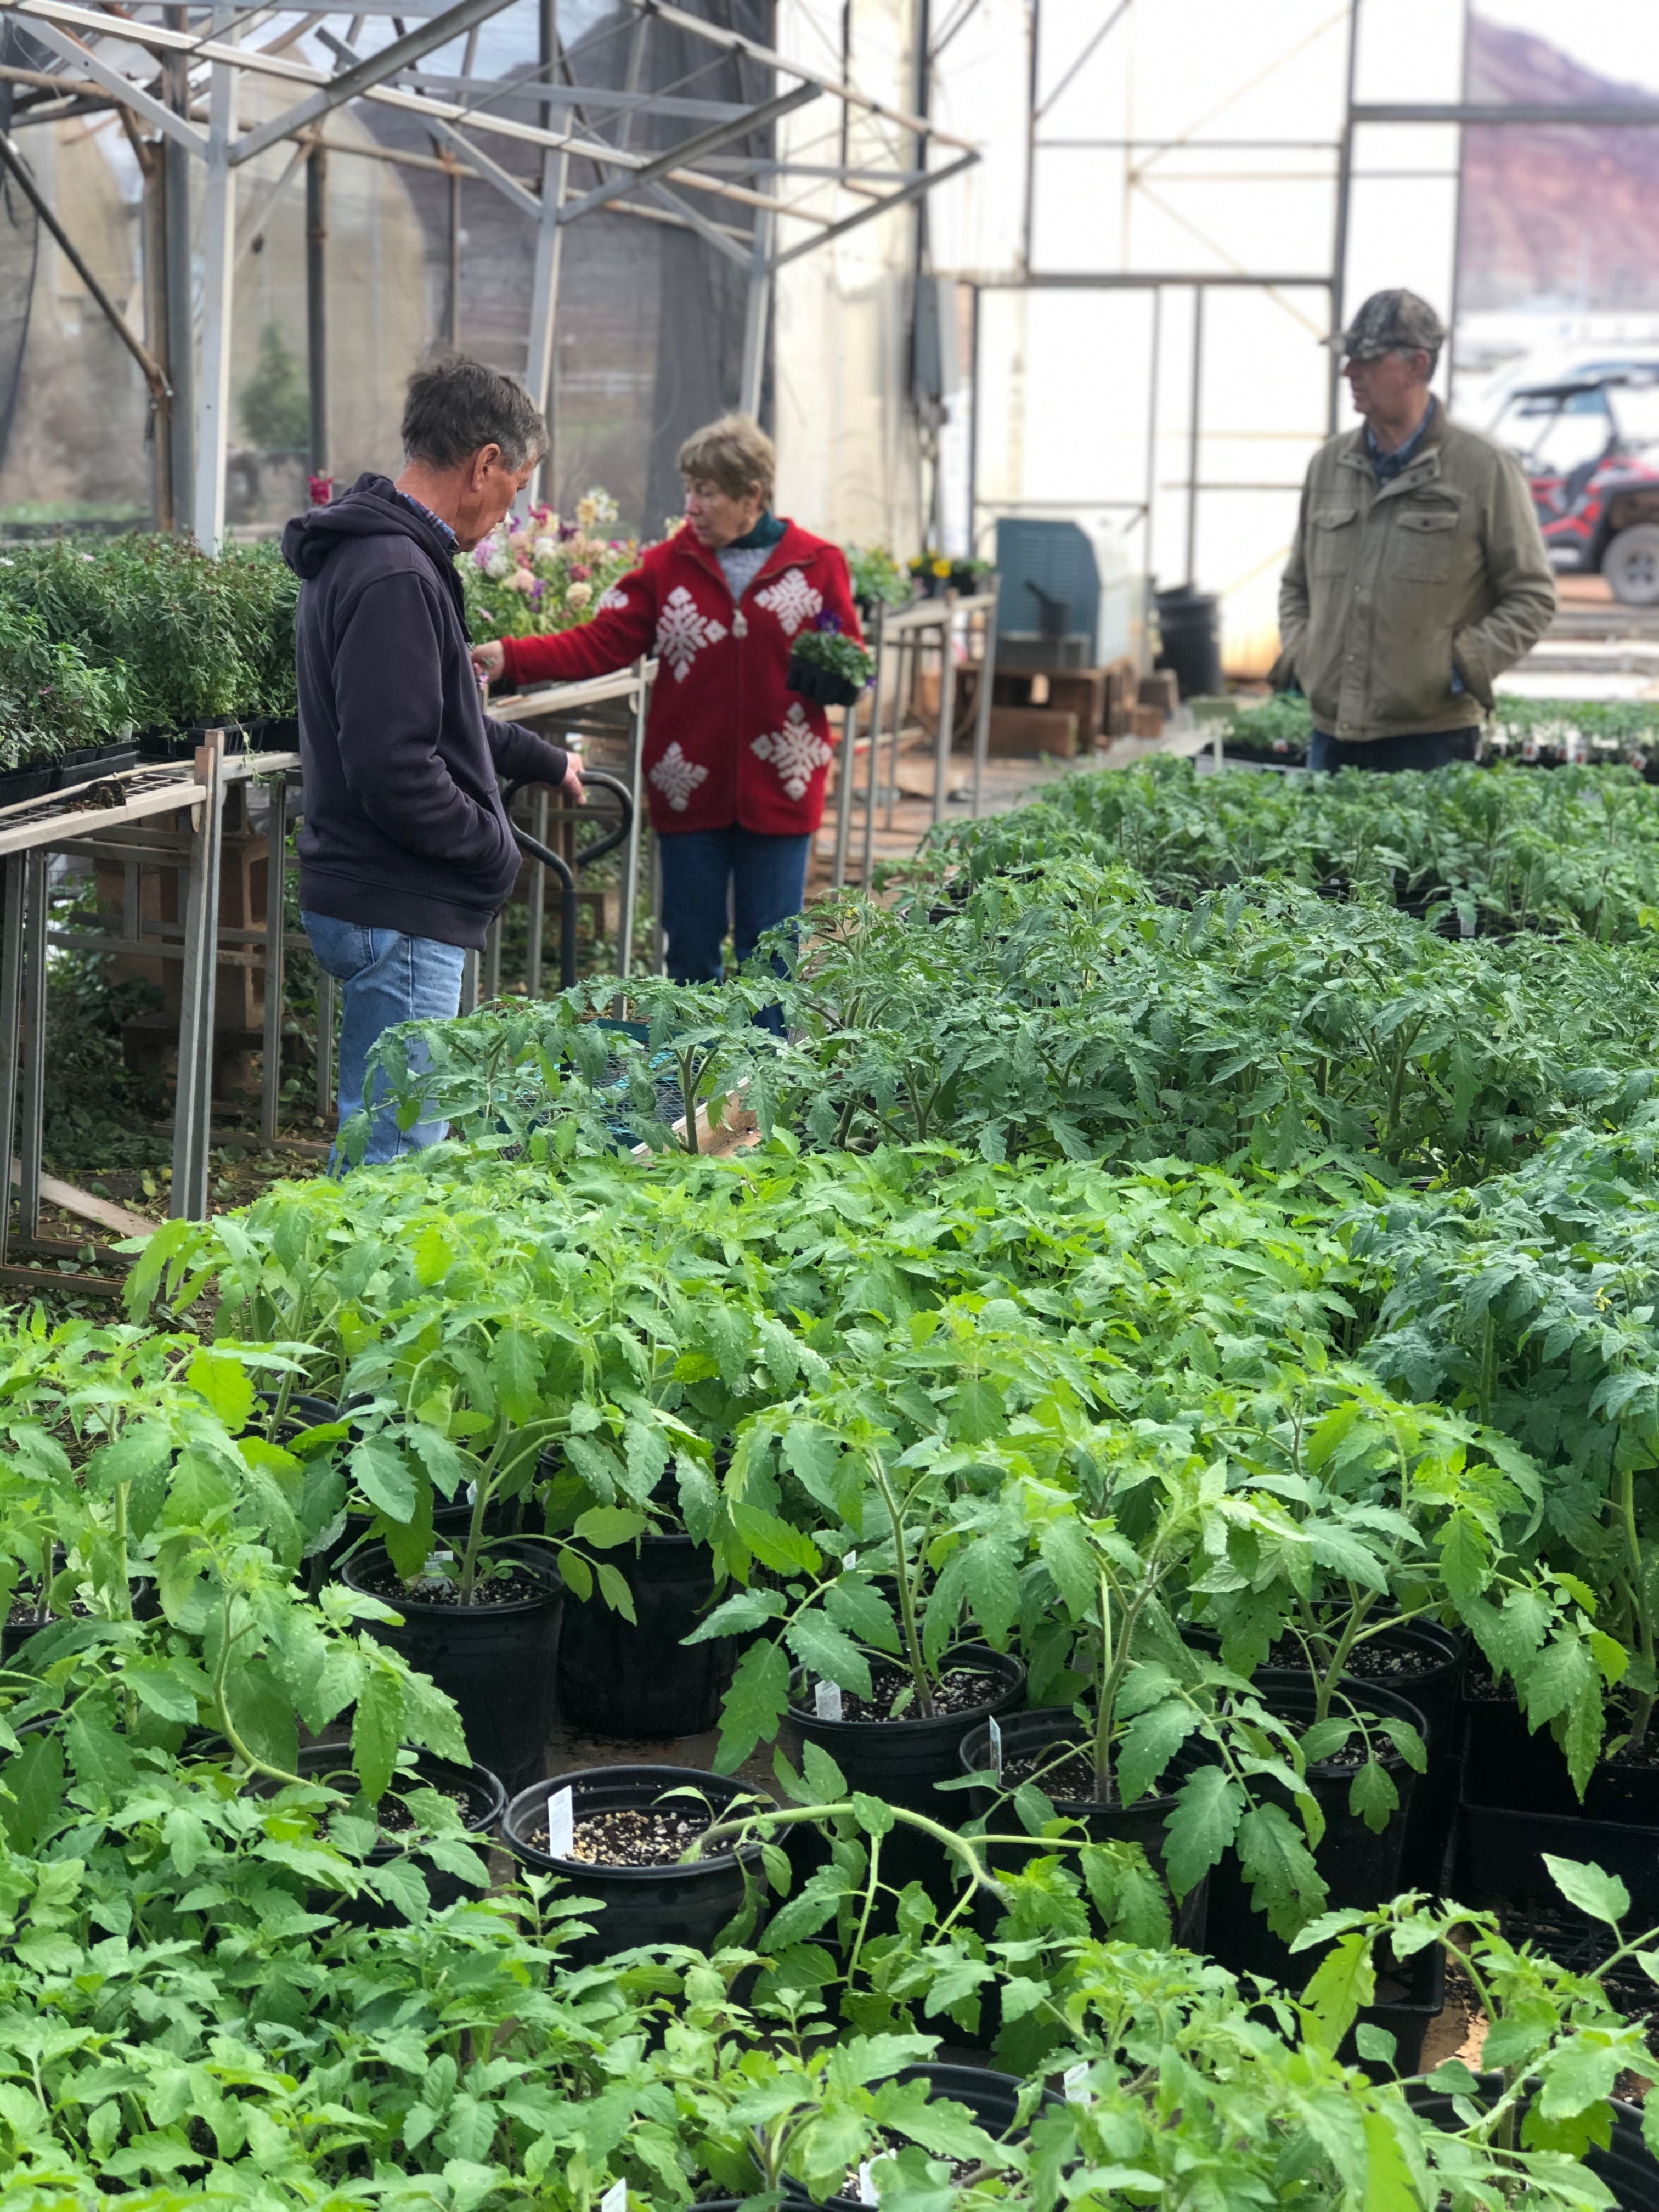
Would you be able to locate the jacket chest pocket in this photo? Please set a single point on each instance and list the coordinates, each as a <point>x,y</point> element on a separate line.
<point>1421,551</point>
<point>1331,537</point>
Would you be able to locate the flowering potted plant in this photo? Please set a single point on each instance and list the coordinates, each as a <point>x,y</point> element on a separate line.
<point>826,667</point>
<point>526,578</point>
<point>876,578</point>
<point>935,573</point>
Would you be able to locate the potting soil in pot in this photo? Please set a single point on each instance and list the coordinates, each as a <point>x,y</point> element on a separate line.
<point>631,1835</point>
<point>963,1690</point>
<point>515,1586</point>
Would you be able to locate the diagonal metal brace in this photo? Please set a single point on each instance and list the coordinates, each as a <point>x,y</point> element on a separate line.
<point>691,149</point>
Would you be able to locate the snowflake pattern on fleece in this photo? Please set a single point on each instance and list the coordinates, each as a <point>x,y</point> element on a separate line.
<point>682,632</point>
<point>792,601</point>
<point>676,778</point>
<point>797,751</point>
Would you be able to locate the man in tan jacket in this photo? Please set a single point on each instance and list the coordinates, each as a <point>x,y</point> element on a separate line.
<point>1418,573</point>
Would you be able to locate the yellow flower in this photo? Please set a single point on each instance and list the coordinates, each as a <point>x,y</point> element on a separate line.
<point>941,567</point>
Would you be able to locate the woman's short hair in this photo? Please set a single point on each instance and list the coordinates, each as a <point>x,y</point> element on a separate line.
<point>456,407</point>
<point>735,454</point>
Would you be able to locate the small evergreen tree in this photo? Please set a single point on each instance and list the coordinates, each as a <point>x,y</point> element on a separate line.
<point>275,403</point>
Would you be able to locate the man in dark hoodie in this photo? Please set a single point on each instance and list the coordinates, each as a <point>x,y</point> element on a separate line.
<point>406,853</point>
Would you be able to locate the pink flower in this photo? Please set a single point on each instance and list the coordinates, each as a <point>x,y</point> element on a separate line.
<point>578,573</point>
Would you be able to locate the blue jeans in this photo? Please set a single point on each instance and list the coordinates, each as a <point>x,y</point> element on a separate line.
<point>388,978</point>
<point>1390,755</point>
<point>716,879</point>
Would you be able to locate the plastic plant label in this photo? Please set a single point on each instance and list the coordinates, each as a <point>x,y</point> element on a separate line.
<point>615,2198</point>
<point>868,2193</point>
<point>1075,2082</point>
<point>826,1697</point>
<point>561,1826</point>
<point>441,1556</point>
<point>850,1561</point>
<point>996,1748</point>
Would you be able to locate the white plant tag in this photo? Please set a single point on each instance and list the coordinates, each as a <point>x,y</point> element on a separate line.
<point>1075,2081</point>
<point>441,1556</point>
<point>560,1824</point>
<point>827,1700</point>
<point>996,1748</point>
<point>868,2193</point>
<point>615,2198</point>
<point>850,1561</point>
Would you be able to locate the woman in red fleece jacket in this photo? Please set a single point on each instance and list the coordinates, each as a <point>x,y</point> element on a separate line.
<point>735,762</point>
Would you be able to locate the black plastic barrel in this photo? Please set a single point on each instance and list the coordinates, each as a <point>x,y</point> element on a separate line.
<point>1189,622</point>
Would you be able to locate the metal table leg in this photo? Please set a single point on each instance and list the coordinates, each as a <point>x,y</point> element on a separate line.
<point>532,964</point>
<point>909,653</point>
<point>867,860</point>
<point>11,1013</point>
<point>850,731</point>
<point>192,1123</point>
<point>470,984</point>
<point>34,1042</point>
<point>491,964</point>
<point>988,666</point>
<point>327,1015</point>
<point>270,1079</point>
<point>947,708</point>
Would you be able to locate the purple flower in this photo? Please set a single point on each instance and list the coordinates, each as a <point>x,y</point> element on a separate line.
<point>567,531</point>
<point>481,555</point>
<point>536,590</point>
<point>826,621</point>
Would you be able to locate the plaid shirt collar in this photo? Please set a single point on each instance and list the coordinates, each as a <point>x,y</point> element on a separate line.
<point>1387,467</point>
<point>448,536</point>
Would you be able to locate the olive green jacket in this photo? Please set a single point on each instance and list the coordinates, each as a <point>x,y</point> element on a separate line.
<point>1387,591</point>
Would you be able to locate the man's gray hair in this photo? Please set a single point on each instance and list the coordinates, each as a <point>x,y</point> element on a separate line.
<point>458,406</point>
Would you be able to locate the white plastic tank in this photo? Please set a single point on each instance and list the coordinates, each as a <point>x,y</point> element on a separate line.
<point>1118,622</point>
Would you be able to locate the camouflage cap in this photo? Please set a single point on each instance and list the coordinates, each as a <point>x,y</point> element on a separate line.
<point>1391,322</point>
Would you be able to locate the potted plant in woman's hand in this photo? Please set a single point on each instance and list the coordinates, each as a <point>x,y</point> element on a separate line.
<point>828,667</point>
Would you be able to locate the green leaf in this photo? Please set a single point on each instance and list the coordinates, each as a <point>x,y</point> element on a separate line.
<point>1279,1868</point>
<point>1065,1552</point>
<point>823,1649</point>
<point>874,1815</point>
<point>1205,1819</point>
<point>607,1526</point>
<point>376,1732</point>
<point>1372,1797</point>
<point>786,1551</point>
<point>381,1472</point>
<point>32,1789</point>
<point>227,1386</point>
<point>616,1591</point>
<point>516,1368</point>
<point>167,1687</point>
<point>1586,1887</point>
<point>1344,1981</point>
<point>754,1705</point>
<point>1149,1743</point>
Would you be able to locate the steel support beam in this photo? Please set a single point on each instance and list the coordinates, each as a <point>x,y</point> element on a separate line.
<point>692,149</point>
<point>361,76</point>
<point>756,318</point>
<point>545,301</point>
<point>11,1019</point>
<point>218,279</point>
<point>316,305</point>
<point>192,1110</point>
<point>150,110</point>
<point>883,207</point>
<point>270,1069</point>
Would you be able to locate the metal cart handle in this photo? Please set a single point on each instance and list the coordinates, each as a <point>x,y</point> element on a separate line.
<point>564,869</point>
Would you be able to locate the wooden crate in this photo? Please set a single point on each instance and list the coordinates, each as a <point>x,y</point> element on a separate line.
<point>1145,722</point>
<point>1123,695</point>
<point>1017,731</point>
<point>1161,689</point>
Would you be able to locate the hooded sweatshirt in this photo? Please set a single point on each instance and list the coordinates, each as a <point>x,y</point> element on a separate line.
<point>403,827</point>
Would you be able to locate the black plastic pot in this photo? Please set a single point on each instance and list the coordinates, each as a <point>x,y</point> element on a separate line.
<point>993,2099</point>
<point>1415,1998</point>
<point>86,764</point>
<point>280,734</point>
<point>1142,1823</point>
<point>641,1905</point>
<point>638,1680</point>
<point>486,1802</point>
<point>1516,1802</point>
<point>16,1636</point>
<point>904,1761</point>
<point>497,1662</point>
<point>1360,1868</point>
<point>1434,1659</point>
<point>19,785</point>
<point>822,686</point>
<point>1627,2165</point>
